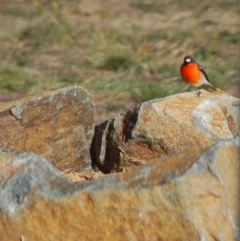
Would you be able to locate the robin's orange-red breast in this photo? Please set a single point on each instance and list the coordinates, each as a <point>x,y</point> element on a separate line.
<point>194,75</point>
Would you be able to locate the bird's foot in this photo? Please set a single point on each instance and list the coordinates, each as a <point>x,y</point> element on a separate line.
<point>198,93</point>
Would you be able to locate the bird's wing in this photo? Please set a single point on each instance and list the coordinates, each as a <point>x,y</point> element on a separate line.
<point>203,72</point>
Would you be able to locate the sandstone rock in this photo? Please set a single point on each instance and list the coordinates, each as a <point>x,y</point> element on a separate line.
<point>164,127</point>
<point>58,125</point>
<point>178,198</point>
<point>23,173</point>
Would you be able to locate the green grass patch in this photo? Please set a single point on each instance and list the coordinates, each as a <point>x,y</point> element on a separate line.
<point>114,83</point>
<point>88,64</point>
<point>156,36</point>
<point>15,11</point>
<point>103,38</point>
<point>167,69</point>
<point>201,54</point>
<point>230,37</point>
<point>114,106</point>
<point>22,59</point>
<point>208,22</point>
<point>70,78</point>
<point>45,33</point>
<point>15,79</point>
<point>138,89</point>
<point>116,36</point>
<point>116,62</point>
<point>146,90</point>
<point>149,6</point>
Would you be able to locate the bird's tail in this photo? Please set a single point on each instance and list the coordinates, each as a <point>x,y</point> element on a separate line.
<point>211,87</point>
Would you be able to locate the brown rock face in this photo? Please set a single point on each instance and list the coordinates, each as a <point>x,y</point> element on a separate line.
<point>58,125</point>
<point>164,127</point>
<point>184,197</point>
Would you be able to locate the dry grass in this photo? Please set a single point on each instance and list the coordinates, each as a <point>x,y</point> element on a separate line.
<point>81,176</point>
<point>129,50</point>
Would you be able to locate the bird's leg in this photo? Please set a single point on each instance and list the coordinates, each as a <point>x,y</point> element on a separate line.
<point>198,93</point>
<point>189,88</point>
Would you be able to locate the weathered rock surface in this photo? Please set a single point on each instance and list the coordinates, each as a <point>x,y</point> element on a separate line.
<point>164,127</point>
<point>58,125</point>
<point>178,198</point>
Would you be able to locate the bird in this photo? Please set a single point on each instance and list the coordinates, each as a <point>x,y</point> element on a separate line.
<point>193,74</point>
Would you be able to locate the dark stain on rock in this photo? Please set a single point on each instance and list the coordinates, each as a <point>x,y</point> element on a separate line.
<point>129,121</point>
<point>232,125</point>
<point>109,159</point>
<point>230,121</point>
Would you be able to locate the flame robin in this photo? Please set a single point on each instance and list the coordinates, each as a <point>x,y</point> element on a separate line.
<point>193,74</point>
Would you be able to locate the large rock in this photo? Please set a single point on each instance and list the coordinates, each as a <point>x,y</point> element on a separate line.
<point>58,125</point>
<point>183,197</point>
<point>164,127</point>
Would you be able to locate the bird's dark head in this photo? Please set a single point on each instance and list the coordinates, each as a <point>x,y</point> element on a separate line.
<point>188,59</point>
